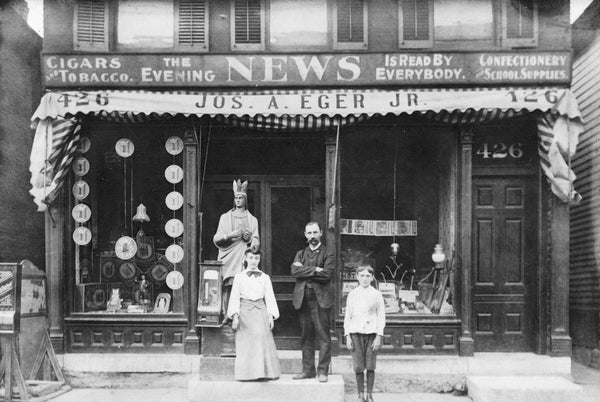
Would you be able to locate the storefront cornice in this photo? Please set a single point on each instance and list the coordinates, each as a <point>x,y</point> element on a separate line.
<point>391,69</point>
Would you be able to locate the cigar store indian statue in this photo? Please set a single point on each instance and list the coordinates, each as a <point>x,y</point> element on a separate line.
<point>237,232</point>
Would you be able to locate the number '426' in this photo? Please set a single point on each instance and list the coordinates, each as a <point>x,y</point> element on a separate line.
<point>501,150</point>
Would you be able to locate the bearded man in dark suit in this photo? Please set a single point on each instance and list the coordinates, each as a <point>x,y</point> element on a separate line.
<point>313,268</point>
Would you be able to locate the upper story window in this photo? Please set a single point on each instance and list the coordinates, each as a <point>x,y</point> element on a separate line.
<point>90,25</point>
<point>142,25</point>
<point>351,24</point>
<point>464,20</point>
<point>415,23</point>
<point>467,23</point>
<point>294,24</point>
<point>155,31</point>
<point>298,25</point>
<point>520,23</point>
<point>248,24</point>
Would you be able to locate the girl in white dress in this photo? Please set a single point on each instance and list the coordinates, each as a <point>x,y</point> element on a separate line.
<point>253,310</point>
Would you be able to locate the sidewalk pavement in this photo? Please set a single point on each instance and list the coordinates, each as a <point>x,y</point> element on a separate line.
<point>587,377</point>
<point>180,395</point>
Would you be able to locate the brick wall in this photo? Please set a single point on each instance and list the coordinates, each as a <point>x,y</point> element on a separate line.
<point>21,226</point>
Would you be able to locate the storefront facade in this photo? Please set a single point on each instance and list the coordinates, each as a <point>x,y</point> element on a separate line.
<point>382,131</point>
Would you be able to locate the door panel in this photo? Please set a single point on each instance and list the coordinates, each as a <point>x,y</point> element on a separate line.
<point>290,208</point>
<point>505,263</point>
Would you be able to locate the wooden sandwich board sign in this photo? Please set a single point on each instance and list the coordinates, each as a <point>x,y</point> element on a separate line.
<point>23,305</point>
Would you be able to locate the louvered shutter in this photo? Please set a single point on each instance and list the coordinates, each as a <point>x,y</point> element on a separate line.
<point>248,24</point>
<point>416,23</point>
<point>192,24</point>
<point>91,25</point>
<point>350,21</point>
<point>520,23</point>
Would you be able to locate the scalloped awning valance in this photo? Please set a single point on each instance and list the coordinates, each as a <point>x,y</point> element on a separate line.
<point>58,116</point>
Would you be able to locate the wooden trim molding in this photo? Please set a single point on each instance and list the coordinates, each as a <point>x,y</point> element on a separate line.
<point>466,343</point>
<point>560,341</point>
<point>190,213</point>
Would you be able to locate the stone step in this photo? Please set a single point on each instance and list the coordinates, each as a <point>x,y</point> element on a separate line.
<point>214,367</point>
<point>523,389</point>
<point>283,389</point>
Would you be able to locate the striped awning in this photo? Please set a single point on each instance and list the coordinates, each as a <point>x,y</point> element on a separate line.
<point>57,119</point>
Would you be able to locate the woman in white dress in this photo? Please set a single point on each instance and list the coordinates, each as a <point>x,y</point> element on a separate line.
<point>253,310</point>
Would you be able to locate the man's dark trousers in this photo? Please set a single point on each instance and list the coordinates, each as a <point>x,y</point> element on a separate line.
<point>314,320</point>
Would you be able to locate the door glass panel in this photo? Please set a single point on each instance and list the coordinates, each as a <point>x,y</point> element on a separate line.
<point>290,211</point>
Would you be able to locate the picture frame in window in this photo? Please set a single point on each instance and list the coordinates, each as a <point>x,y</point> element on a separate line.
<point>162,303</point>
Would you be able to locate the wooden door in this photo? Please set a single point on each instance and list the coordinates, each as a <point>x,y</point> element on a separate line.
<point>505,259</point>
<point>282,205</point>
<point>289,208</point>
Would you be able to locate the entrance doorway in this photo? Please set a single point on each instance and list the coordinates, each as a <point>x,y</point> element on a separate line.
<point>505,229</point>
<point>282,205</point>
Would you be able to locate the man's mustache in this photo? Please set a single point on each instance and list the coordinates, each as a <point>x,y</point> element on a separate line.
<point>311,240</point>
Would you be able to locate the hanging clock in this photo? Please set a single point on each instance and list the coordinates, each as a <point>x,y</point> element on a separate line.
<point>81,166</point>
<point>174,145</point>
<point>81,190</point>
<point>84,145</point>
<point>174,200</point>
<point>174,253</point>
<point>82,236</point>
<point>174,174</point>
<point>125,248</point>
<point>124,147</point>
<point>81,213</point>
<point>174,280</point>
<point>174,227</point>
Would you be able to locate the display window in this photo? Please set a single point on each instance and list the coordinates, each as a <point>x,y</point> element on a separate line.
<point>127,219</point>
<point>398,214</point>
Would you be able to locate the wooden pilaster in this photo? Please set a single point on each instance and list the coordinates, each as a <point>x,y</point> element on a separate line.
<point>560,341</point>
<point>466,343</point>
<point>332,236</point>
<point>54,216</point>
<point>190,238</point>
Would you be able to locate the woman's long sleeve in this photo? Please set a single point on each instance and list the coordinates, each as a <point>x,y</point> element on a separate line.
<point>270,300</point>
<point>234,298</point>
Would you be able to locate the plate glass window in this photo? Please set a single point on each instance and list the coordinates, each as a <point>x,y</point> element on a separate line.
<point>298,24</point>
<point>464,20</point>
<point>154,31</point>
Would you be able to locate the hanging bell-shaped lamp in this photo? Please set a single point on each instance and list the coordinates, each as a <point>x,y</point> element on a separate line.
<point>140,214</point>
